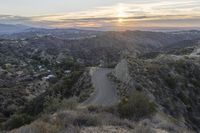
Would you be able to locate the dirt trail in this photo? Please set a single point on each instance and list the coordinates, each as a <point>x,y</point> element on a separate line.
<point>105,93</point>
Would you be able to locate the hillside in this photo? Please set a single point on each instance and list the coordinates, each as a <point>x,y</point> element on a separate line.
<point>41,74</point>
<point>172,81</point>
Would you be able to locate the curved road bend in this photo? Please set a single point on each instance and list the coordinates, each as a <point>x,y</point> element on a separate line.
<point>105,93</point>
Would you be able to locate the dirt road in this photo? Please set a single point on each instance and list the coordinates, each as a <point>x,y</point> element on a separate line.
<point>105,93</point>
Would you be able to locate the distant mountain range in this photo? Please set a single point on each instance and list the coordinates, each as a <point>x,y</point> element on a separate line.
<point>19,28</point>
<point>9,28</point>
<point>23,29</point>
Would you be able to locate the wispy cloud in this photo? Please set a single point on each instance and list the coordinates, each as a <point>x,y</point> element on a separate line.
<point>128,14</point>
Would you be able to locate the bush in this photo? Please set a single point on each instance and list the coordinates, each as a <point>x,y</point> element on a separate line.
<point>51,105</point>
<point>100,109</point>
<point>143,129</point>
<point>93,108</point>
<point>17,121</point>
<point>87,120</point>
<point>136,106</point>
<point>75,118</point>
<point>37,127</point>
<point>171,81</point>
<point>83,97</point>
<point>55,104</point>
<point>70,103</point>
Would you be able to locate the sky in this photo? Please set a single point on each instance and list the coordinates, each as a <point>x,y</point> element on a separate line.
<point>114,14</point>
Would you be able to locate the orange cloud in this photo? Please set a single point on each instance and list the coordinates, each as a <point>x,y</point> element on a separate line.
<point>128,14</point>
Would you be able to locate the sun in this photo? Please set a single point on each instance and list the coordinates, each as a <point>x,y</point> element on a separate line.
<point>121,12</point>
<point>120,20</point>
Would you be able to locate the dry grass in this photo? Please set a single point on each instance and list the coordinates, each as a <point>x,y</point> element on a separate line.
<point>92,121</point>
<point>37,127</point>
<point>72,121</point>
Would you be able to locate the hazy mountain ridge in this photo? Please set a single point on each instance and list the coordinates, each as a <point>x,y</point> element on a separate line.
<point>10,29</point>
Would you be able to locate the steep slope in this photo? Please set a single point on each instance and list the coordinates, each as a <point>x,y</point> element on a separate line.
<point>171,81</point>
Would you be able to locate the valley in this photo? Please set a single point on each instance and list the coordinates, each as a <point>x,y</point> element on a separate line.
<point>125,80</point>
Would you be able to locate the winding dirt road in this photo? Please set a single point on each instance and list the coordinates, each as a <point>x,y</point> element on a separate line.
<point>105,93</point>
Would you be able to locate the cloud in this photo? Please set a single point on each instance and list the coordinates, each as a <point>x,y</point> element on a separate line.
<point>134,14</point>
<point>13,18</point>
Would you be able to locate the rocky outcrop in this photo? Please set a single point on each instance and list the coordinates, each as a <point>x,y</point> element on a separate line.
<point>121,75</point>
<point>121,71</point>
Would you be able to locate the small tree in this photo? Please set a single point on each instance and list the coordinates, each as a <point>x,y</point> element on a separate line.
<point>136,106</point>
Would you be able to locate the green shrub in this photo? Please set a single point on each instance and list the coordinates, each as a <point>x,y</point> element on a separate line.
<point>77,118</point>
<point>171,81</point>
<point>70,103</point>
<point>143,129</point>
<point>87,120</point>
<point>136,106</point>
<point>184,98</point>
<point>17,120</point>
<point>51,105</point>
<point>93,108</point>
<point>55,104</point>
<point>100,109</point>
<point>84,96</point>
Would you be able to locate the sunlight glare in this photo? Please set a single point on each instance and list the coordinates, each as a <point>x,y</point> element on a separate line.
<point>120,12</point>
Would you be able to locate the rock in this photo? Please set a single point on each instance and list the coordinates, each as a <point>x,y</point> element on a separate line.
<point>121,71</point>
